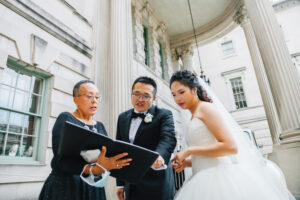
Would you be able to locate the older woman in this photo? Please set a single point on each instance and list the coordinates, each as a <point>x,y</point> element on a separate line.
<point>64,182</point>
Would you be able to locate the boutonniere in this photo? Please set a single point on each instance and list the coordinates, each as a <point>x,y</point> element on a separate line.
<point>148,118</point>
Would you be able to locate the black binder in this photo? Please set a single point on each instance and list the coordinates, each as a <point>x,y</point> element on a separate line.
<point>76,138</point>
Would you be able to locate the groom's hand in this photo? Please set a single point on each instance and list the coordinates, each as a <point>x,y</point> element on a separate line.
<point>120,194</point>
<point>158,162</point>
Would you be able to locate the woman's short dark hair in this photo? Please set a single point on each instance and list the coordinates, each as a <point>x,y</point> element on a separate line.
<point>78,85</point>
<point>190,80</point>
<point>145,80</point>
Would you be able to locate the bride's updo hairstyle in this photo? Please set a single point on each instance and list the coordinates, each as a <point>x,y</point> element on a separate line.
<point>190,80</point>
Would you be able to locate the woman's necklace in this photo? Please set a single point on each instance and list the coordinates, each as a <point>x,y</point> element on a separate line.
<point>85,125</point>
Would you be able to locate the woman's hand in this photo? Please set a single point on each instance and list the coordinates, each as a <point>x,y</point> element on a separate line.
<point>114,162</point>
<point>179,167</point>
<point>181,156</point>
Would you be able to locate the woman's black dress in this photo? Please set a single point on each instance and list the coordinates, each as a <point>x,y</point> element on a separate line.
<point>64,181</point>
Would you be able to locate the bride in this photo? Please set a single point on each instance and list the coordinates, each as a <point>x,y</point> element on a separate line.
<point>224,163</point>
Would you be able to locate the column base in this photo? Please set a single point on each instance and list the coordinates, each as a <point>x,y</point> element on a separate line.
<point>287,157</point>
<point>290,136</point>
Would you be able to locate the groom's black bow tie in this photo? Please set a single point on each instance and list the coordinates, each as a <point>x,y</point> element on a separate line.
<point>135,115</point>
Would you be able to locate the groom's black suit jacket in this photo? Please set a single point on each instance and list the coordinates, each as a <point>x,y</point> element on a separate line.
<point>159,136</point>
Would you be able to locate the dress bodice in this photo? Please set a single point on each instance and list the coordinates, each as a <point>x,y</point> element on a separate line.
<point>199,135</point>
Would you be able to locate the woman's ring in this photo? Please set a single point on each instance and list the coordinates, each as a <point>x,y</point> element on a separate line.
<point>117,165</point>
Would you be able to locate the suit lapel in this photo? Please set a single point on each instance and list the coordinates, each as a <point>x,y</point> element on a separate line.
<point>127,125</point>
<point>144,125</point>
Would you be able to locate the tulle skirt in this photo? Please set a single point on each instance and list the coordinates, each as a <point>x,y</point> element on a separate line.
<point>235,182</point>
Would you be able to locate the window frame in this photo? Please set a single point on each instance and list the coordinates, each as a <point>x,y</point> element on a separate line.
<point>40,140</point>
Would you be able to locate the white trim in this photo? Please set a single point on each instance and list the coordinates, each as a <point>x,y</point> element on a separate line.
<point>3,59</point>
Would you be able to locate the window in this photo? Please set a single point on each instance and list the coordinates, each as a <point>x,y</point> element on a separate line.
<point>20,113</point>
<point>227,48</point>
<point>146,47</point>
<point>161,60</point>
<point>238,93</point>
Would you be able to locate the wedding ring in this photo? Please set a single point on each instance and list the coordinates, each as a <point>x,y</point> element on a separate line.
<point>117,165</point>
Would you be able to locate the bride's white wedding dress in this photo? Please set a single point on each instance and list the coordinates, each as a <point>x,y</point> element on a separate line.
<point>223,178</point>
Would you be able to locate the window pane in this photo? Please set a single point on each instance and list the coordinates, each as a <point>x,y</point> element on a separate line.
<point>245,104</point>
<point>12,145</point>
<point>16,122</point>
<point>3,120</point>
<point>35,104</point>
<point>2,140</point>
<point>7,94</point>
<point>24,82</point>
<point>238,93</point>
<point>146,46</point>
<point>29,125</point>
<point>237,105</point>
<point>27,146</point>
<point>227,48</point>
<point>37,86</point>
<point>21,100</point>
<point>9,77</point>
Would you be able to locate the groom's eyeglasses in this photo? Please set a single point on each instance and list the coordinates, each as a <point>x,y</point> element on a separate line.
<point>142,97</point>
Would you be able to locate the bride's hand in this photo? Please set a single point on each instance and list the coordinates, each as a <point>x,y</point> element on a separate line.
<point>177,166</point>
<point>181,156</point>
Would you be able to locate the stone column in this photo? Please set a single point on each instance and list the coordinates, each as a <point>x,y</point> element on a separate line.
<point>121,58</point>
<point>186,53</point>
<point>100,60</point>
<point>285,86</point>
<point>175,60</point>
<point>242,19</point>
<point>282,75</point>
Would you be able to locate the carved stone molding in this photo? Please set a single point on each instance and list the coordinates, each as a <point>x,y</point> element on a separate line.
<point>138,45</point>
<point>161,26</point>
<point>185,50</point>
<point>174,55</point>
<point>241,15</point>
<point>147,7</point>
<point>216,28</point>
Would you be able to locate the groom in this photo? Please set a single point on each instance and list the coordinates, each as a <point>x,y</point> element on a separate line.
<point>153,128</point>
